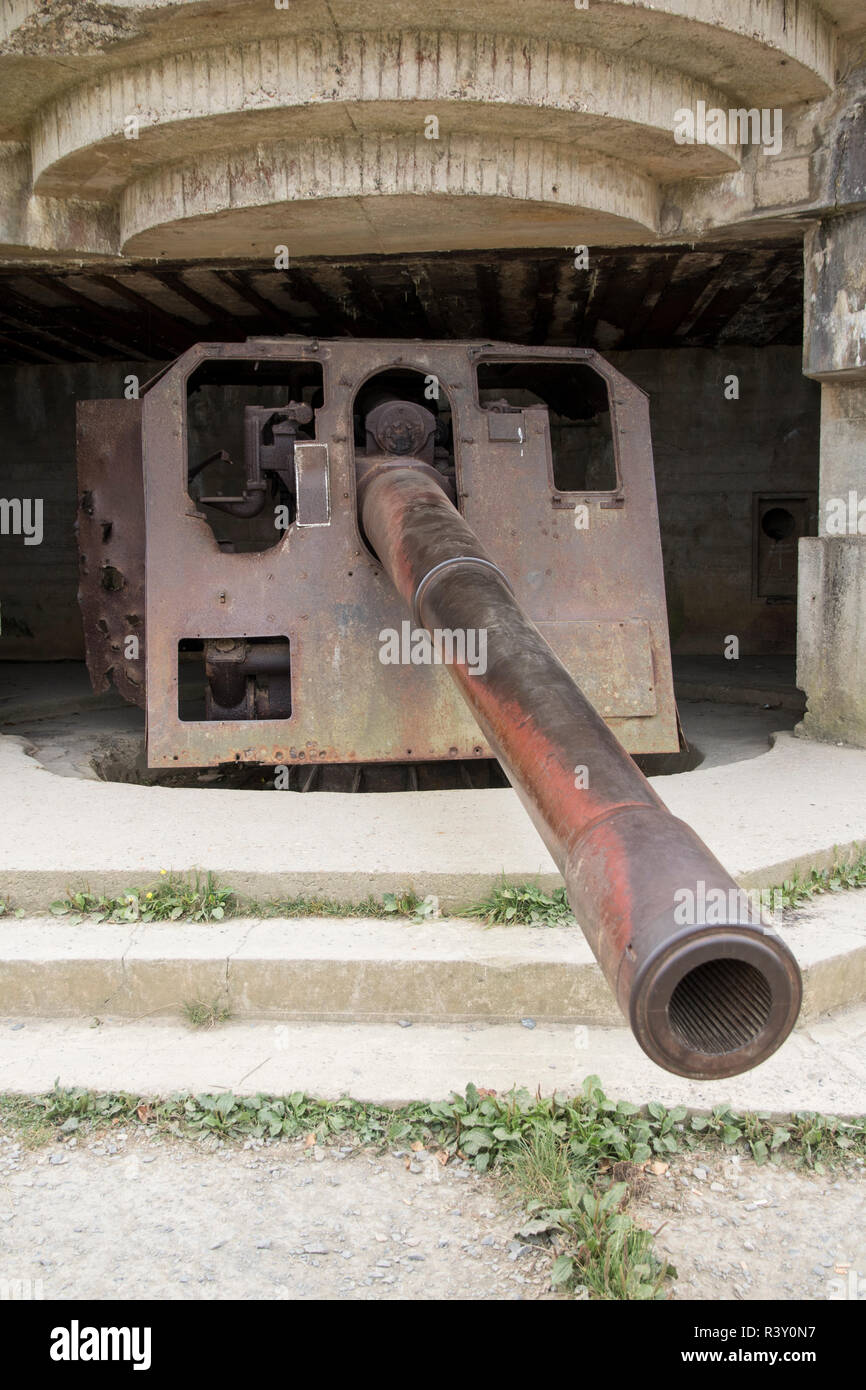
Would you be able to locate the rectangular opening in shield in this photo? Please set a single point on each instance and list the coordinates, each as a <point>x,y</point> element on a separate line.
<point>243,421</point>
<point>578,410</point>
<point>227,678</point>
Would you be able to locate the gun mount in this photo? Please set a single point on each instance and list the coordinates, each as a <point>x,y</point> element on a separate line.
<point>463,492</point>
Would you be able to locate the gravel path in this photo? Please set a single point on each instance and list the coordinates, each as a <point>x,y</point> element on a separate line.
<point>131,1216</point>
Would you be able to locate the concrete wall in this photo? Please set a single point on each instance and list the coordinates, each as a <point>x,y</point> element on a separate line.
<point>831,645</point>
<point>834,320</point>
<point>38,583</point>
<point>843,449</point>
<point>711,455</point>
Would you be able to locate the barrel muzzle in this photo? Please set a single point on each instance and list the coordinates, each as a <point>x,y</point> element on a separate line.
<point>715,1001</point>
<point>709,987</point>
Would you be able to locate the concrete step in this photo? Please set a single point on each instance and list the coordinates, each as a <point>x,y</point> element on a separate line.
<point>367,970</point>
<point>801,804</point>
<point>821,1067</point>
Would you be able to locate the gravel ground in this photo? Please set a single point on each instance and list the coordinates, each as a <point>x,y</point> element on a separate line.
<point>131,1216</point>
<point>737,1231</point>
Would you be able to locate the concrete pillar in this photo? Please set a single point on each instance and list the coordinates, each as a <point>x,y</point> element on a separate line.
<point>831,612</point>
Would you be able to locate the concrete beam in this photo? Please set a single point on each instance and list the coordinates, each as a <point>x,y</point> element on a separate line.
<point>760,45</point>
<point>831,638</point>
<point>834,329</point>
<point>33,226</point>
<point>366,83</point>
<point>601,83</point>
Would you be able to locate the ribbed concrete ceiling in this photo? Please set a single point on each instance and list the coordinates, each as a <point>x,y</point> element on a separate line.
<point>305,126</point>
<point>629,298</point>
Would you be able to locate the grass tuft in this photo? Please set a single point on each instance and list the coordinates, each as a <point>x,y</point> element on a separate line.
<point>526,905</point>
<point>405,903</point>
<point>170,899</point>
<point>201,1015</point>
<point>837,879</point>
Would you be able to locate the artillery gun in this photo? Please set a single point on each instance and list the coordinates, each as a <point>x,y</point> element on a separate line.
<point>271,516</point>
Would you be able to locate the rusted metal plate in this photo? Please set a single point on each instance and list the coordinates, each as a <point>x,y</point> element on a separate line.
<point>581,561</point>
<point>111,544</point>
<point>611,662</point>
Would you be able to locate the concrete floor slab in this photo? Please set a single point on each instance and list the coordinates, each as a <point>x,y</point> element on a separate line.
<point>828,938</point>
<point>38,690</point>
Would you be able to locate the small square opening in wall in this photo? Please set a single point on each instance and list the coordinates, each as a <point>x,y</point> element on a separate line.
<point>221,678</point>
<point>779,520</point>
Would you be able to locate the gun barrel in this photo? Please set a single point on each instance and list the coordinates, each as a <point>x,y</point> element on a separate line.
<point>708,989</point>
